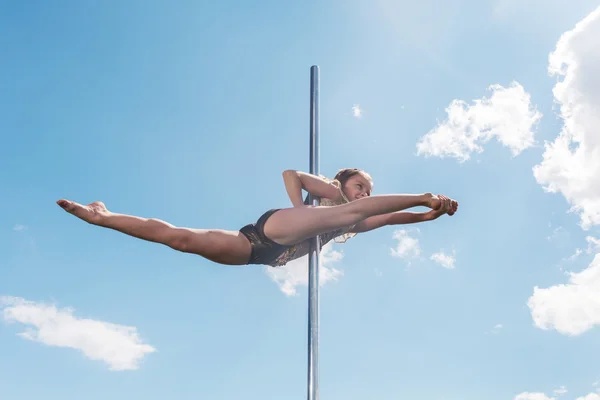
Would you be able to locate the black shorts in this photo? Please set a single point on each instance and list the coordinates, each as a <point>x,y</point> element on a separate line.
<point>264,250</point>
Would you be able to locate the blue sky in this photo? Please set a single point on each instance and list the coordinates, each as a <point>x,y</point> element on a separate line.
<point>189,112</point>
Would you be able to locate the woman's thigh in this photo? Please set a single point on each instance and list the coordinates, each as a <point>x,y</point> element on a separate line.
<point>289,226</point>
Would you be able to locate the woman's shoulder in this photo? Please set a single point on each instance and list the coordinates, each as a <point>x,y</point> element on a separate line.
<point>341,198</point>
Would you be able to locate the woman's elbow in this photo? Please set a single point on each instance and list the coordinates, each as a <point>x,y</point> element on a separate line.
<point>288,172</point>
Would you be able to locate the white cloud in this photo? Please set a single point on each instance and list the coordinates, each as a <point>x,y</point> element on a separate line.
<point>574,256</point>
<point>295,273</point>
<point>557,392</point>
<point>560,391</point>
<point>506,115</point>
<point>445,260</point>
<point>558,234</point>
<point>497,328</point>
<point>590,396</point>
<point>571,308</point>
<point>407,246</point>
<point>593,244</point>
<point>118,346</point>
<point>532,396</point>
<point>571,164</point>
<point>356,111</point>
<point>19,228</point>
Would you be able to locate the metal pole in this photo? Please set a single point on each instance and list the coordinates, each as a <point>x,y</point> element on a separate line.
<point>314,259</point>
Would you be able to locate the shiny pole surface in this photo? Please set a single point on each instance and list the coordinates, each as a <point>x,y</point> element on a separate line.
<point>314,259</point>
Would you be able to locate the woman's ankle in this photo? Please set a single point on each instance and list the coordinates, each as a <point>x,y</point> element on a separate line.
<point>429,200</point>
<point>104,219</point>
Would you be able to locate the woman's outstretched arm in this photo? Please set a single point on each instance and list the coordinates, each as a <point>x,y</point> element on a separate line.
<point>396,218</point>
<point>405,217</point>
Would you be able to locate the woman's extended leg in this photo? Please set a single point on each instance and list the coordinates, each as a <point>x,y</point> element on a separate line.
<point>293,225</point>
<point>220,246</point>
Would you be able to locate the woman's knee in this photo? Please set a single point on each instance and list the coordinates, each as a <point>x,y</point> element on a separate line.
<point>179,239</point>
<point>223,247</point>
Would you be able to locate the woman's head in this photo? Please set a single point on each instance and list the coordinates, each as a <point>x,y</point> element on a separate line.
<point>355,183</point>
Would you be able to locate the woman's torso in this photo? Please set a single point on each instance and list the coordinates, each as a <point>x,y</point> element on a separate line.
<point>339,235</point>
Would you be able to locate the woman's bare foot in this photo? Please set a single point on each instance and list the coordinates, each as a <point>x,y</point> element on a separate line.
<point>435,202</point>
<point>93,213</point>
<point>432,201</point>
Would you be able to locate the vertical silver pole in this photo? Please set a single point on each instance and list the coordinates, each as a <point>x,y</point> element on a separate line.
<point>314,259</point>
